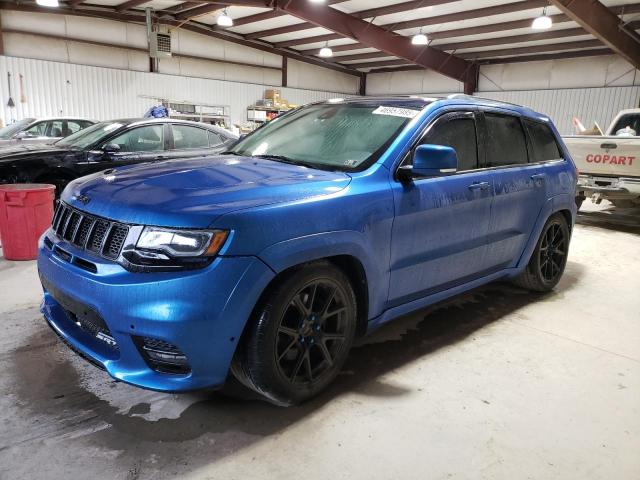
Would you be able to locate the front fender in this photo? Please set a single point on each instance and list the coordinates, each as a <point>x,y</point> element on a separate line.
<point>296,251</point>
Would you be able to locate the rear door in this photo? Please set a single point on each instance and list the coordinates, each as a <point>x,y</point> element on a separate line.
<point>439,234</point>
<point>520,187</point>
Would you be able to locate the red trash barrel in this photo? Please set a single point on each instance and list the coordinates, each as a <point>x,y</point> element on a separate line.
<point>26,211</point>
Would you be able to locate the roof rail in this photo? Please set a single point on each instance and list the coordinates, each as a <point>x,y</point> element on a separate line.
<point>464,95</point>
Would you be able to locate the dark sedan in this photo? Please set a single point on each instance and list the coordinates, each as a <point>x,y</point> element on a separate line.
<point>110,144</point>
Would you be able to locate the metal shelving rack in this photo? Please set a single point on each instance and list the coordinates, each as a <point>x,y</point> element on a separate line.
<point>201,112</point>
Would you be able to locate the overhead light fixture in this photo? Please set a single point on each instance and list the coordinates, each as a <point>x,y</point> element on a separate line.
<point>543,22</point>
<point>317,1</point>
<point>420,39</point>
<point>224,20</point>
<point>326,51</point>
<point>48,3</point>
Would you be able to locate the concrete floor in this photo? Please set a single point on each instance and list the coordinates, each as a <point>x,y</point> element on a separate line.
<point>497,384</point>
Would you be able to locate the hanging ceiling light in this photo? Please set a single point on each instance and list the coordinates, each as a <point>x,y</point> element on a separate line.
<point>543,22</point>
<point>48,3</point>
<point>420,39</point>
<point>225,20</point>
<point>326,51</point>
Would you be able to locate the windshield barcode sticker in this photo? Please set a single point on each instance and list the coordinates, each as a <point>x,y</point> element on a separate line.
<point>395,112</point>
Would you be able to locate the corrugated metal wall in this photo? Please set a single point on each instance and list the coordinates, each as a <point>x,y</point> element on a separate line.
<point>54,88</point>
<point>588,104</point>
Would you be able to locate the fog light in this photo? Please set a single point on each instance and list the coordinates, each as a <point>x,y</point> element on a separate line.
<point>162,356</point>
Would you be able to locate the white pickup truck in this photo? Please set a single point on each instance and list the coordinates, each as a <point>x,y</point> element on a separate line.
<point>609,165</point>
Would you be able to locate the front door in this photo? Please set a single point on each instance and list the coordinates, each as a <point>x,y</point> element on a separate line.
<point>441,223</point>
<point>137,145</point>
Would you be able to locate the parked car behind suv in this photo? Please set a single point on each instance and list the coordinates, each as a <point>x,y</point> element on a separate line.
<point>41,130</point>
<point>110,144</point>
<point>320,226</point>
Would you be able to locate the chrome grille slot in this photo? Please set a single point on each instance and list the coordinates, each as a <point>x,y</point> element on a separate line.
<point>88,232</point>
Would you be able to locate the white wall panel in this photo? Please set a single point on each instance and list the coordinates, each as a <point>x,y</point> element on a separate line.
<point>56,88</point>
<point>304,75</point>
<point>599,71</point>
<point>411,82</point>
<point>588,104</point>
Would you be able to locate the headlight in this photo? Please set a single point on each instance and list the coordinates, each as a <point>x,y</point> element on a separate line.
<point>182,243</point>
<point>168,249</point>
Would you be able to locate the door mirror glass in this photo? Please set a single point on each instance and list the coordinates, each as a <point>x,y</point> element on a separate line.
<point>111,148</point>
<point>434,161</point>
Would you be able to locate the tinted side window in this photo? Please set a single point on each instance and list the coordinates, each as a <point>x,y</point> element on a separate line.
<point>141,139</point>
<point>185,136</point>
<point>38,130</point>
<point>55,129</point>
<point>459,134</point>
<point>543,142</point>
<point>215,139</point>
<point>74,126</point>
<point>506,143</point>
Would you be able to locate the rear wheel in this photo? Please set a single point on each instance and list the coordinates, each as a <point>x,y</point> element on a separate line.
<point>300,336</point>
<point>549,258</point>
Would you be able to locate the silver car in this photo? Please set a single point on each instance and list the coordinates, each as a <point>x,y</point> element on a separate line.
<point>41,130</point>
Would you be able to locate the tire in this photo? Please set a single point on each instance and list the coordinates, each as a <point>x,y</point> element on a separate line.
<point>299,336</point>
<point>546,265</point>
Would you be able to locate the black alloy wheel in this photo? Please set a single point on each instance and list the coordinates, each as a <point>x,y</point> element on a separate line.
<point>548,261</point>
<point>312,332</point>
<point>552,252</point>
<point>299,335</point>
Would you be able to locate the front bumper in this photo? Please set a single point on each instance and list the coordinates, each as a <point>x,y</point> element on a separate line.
<point>202,312</point>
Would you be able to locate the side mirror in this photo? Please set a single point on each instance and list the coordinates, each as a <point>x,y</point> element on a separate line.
<point>111,148</point>
<point>430,161</point>
<point>21,135</point>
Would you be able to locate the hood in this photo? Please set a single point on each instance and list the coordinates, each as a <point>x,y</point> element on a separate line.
<point>27,150</point>
<point>194,192</point>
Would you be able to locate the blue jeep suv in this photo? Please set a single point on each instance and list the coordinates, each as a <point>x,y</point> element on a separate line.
<point>268,260</point>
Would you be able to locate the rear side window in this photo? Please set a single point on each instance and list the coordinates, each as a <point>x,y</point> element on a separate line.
<point>543,142</point>
<point>460,134</point>
<point>215,139</point>
<point>506,144</point>
<point>185,136</point>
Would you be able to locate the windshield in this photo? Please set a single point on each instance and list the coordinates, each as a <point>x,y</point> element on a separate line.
<point>10,130</point>
<point>628,125</point>
<point>90,135</point>
<point>328,136</point>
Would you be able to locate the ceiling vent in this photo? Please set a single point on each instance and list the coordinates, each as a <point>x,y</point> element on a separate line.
<point>160,45</point>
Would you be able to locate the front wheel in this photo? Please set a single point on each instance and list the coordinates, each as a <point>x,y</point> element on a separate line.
<point>549,258</point>
<point>299,336</point>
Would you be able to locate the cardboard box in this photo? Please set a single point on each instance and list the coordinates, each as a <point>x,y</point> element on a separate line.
<point>272,94</point>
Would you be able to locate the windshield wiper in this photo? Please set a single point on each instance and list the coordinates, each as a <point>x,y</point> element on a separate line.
<point>231,152</point>
<point>291,161</point>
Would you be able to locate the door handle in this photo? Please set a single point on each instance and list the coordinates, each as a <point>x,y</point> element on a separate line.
<point>479,186</point>
<point>538,179</point>
<point>608,146</point>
